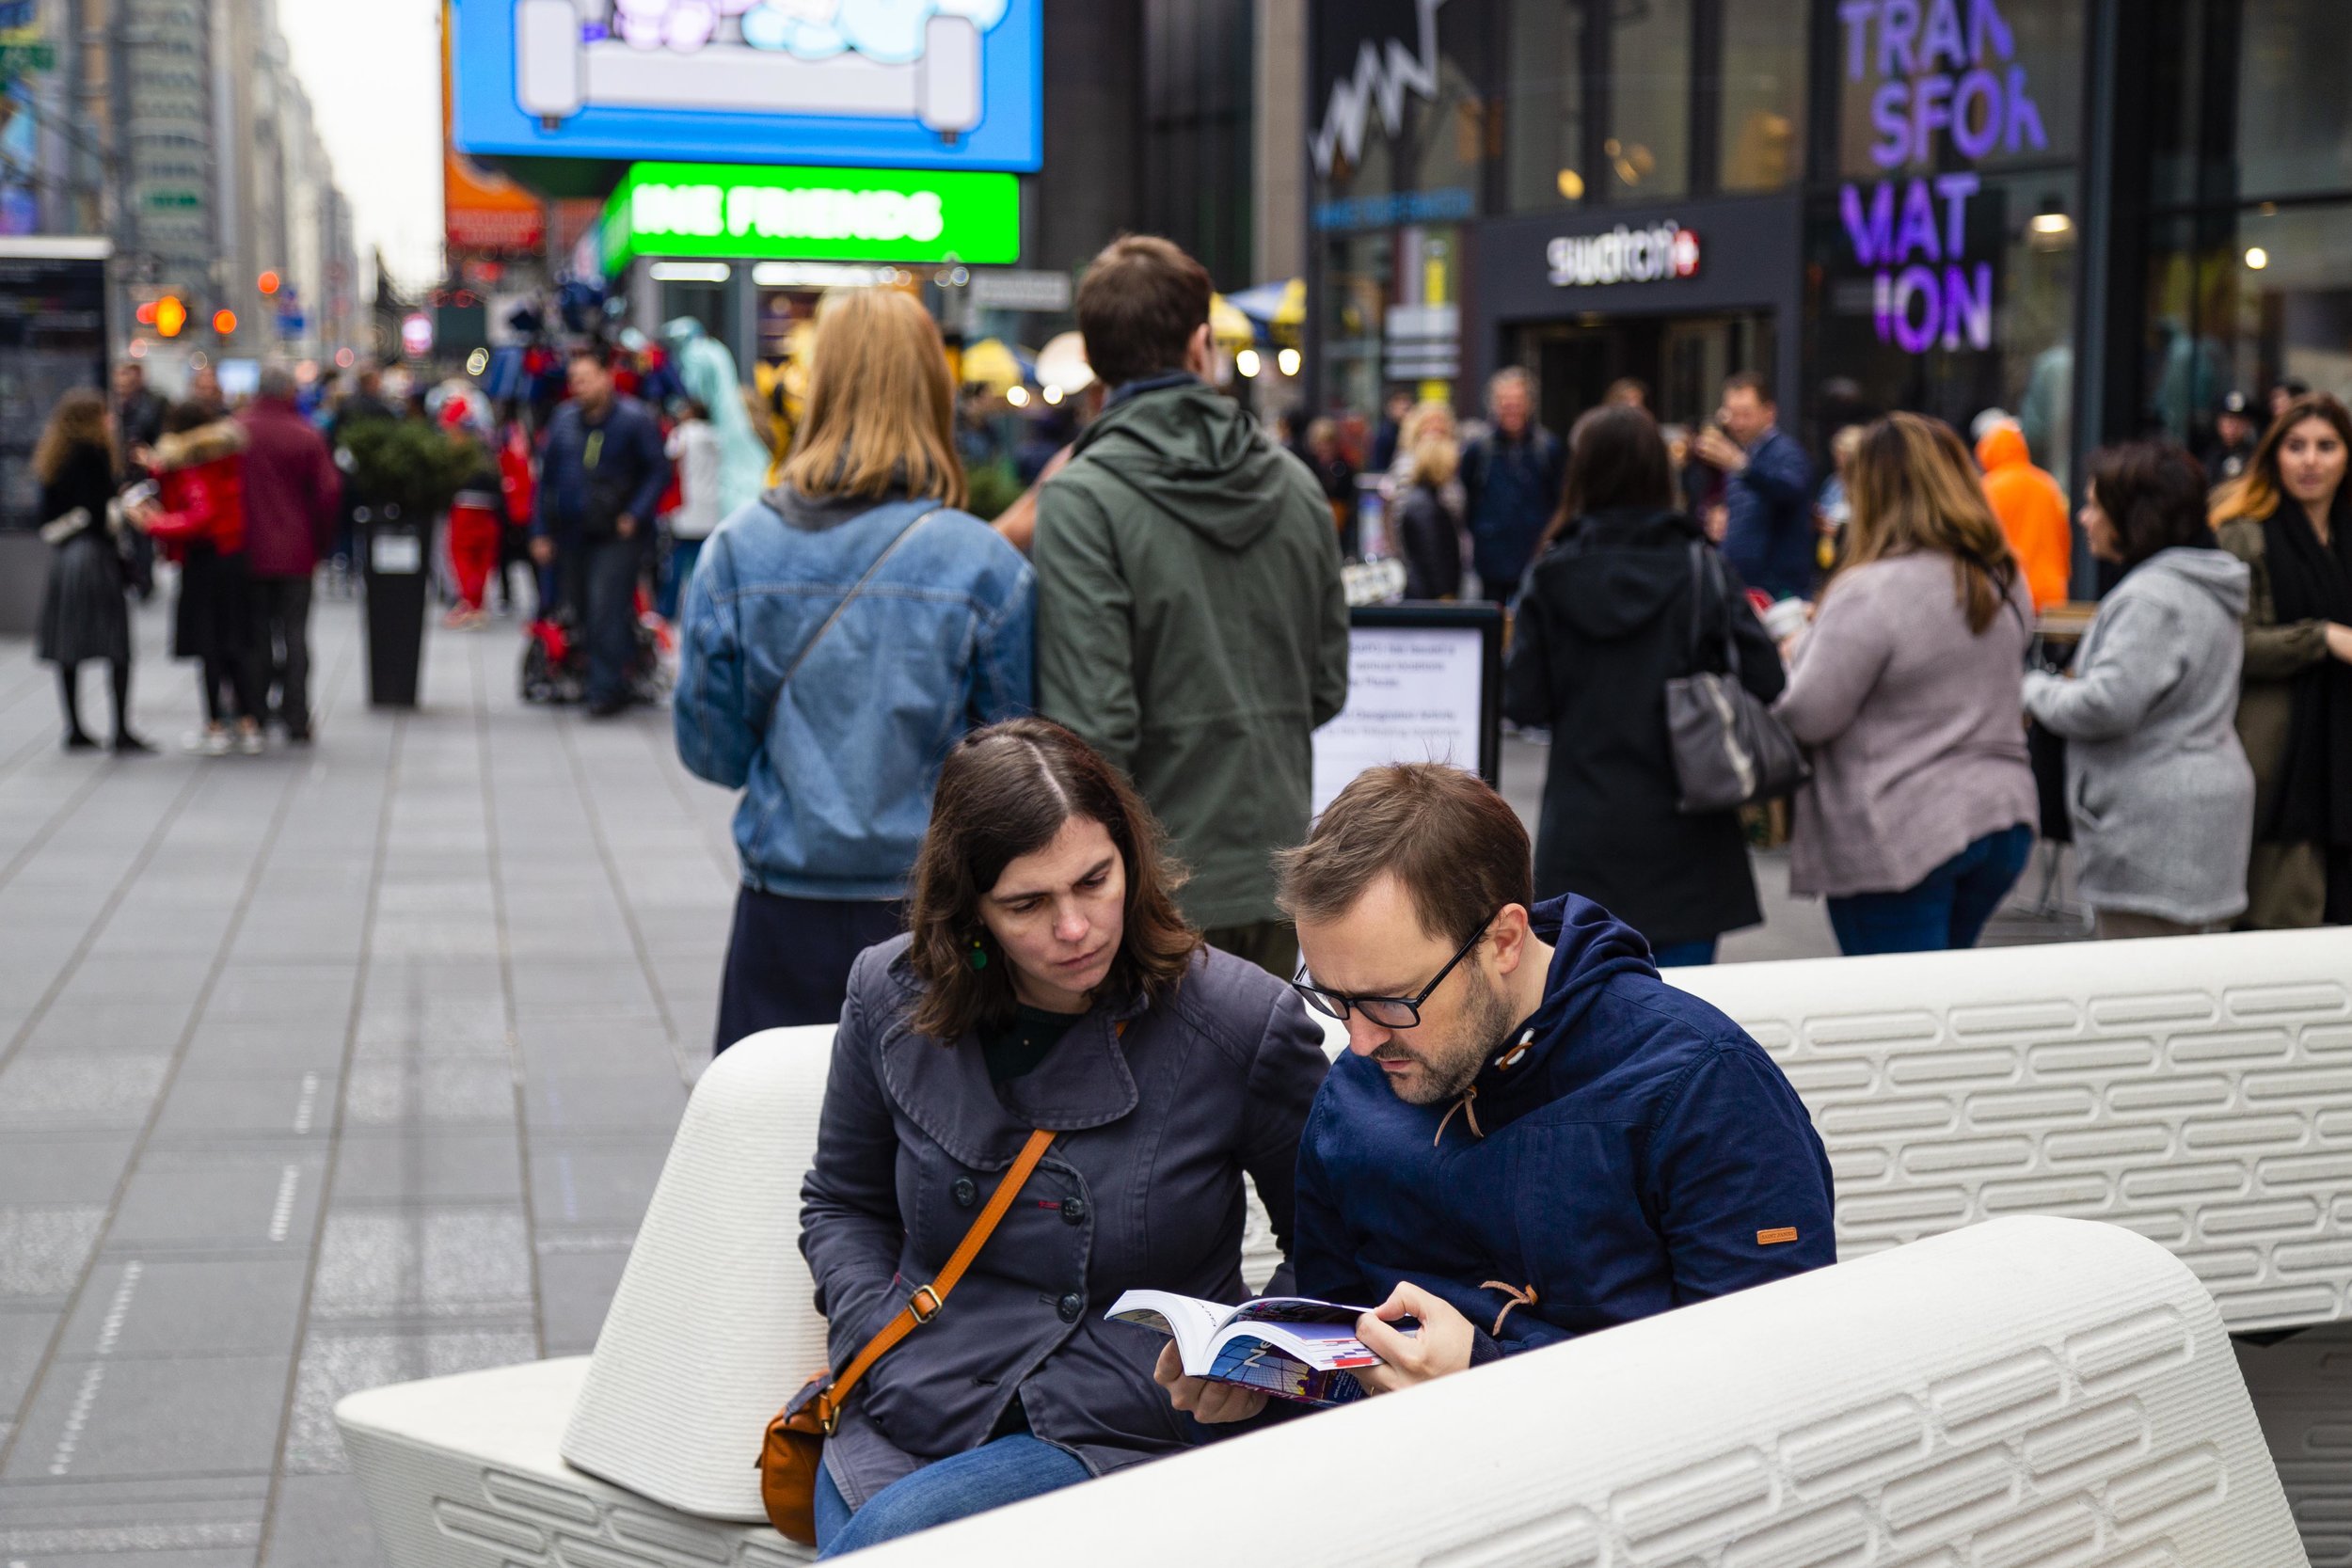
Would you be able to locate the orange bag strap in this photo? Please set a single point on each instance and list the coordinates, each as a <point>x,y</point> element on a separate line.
<point>924,1304</point>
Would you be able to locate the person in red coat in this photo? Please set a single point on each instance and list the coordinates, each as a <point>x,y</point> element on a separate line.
<point>198,518</point>
<point>291,492</point>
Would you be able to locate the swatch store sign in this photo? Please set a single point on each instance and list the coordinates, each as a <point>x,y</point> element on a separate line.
<point>1660,253</point>
<point>1947,75</point>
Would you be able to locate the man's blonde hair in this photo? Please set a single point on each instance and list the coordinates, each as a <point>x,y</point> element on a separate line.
<point>881,412</point>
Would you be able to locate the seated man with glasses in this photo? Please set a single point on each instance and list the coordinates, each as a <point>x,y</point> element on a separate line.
<point>1531,1136</point>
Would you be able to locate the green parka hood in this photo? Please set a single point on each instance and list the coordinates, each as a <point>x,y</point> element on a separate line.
<point>1194,454</point>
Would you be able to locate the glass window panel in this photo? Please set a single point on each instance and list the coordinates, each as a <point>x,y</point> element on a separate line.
<point>1647,152</point>
<point>2295,115</point>
<point>1544,118</point>
<point>1763,94</point>
<point>2010,72</point>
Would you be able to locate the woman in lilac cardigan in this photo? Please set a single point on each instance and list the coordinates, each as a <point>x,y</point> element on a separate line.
<point>1921,808</point>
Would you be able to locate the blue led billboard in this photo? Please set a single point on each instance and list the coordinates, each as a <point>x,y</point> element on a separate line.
<point>878,83</point>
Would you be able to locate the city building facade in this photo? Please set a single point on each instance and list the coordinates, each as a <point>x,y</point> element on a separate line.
<point>2096,214</point>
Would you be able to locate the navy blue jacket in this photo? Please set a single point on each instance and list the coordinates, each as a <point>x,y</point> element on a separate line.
<point>1643,1154</point>
<point>629,473</point>
<point>1511,489</point>
<point>1769,535</point>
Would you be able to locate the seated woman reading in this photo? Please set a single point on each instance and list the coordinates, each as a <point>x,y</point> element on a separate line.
<point>1048,982</point>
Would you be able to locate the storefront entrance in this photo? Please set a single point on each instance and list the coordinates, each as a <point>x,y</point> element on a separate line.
<point>1682,360</point>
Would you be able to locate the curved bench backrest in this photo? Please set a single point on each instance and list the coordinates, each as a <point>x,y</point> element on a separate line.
<point>714,1324</point>
<point>2034,1391</point>
<point>2195,1089</point>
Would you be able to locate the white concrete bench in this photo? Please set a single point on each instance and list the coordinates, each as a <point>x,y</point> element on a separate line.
<point>2197,1090</point>
<point>2128,1047</point>
<point>2033,1391</point>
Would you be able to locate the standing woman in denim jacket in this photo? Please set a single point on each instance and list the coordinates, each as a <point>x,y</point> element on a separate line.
<point>841,633</point>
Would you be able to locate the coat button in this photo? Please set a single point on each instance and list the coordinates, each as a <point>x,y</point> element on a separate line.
<point>1071,1306</point>
<point>966,1194</point>
<point>1074,1211</point>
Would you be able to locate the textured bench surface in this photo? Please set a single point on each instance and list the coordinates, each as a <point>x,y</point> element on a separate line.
<point>463,1472</point>
<point>2035,1392</point>
<point>2197,1090</point>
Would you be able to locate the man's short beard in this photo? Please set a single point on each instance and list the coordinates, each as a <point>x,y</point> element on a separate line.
<point>1452,1067</point>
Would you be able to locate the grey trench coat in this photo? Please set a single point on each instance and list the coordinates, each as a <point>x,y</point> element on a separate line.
<point>1141,1190</point>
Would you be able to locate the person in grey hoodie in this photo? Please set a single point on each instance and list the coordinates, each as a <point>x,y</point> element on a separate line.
<point>2157,785</point>
<point>1191,624</point>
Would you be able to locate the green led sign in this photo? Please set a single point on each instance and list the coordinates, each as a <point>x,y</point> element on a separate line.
<point>729,213</point>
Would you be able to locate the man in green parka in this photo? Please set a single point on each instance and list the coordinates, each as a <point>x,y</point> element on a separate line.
<point>1191,623</point>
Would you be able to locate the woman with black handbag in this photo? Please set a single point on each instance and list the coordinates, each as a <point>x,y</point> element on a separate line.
<point>1627,596</point>
<point>84,615</point>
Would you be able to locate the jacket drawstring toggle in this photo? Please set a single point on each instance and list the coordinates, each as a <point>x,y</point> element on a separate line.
<point>1469,1114</point>
<point>1518,1298</point>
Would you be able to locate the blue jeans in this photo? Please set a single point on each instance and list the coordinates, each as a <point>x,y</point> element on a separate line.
<point>676,572</point>
<point>1684,955</point>
<point>1006,1471</point>
<point>1948,909</point>
<point>599,583</point>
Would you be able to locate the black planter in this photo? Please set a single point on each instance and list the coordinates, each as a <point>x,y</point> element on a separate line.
<point>397,554</point>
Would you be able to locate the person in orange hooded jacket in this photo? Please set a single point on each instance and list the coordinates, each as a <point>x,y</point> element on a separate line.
<point>2032,512</point>
<point>198,517</point>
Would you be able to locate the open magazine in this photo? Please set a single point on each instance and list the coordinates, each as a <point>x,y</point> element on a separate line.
<point>1287,1346</point>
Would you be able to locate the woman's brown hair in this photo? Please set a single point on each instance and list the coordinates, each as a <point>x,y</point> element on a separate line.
<point>79,420</point>
<point>1616,458</point>
<point>1914,488</point>
<point>881,412</point>
<point>2254,494</point>
<point>2153,494</point>
<point>1004,792</point>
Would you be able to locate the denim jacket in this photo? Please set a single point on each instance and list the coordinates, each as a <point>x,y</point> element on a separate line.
<point>837,771</point>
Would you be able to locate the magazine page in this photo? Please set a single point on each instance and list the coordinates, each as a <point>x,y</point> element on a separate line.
<point>1326,1346</point>
<point>1192,1322</point>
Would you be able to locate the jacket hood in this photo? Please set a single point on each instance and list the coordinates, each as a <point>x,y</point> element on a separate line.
<point>2003,447</point>
<point>1618,571</point>
<point>1193,453</point>
<point>1590,946</point>
<point>2203,571</point>
<point>206,443</point>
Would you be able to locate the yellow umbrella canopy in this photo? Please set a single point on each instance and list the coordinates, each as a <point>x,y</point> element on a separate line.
<point>1228,326</point>
<point>990,364</point>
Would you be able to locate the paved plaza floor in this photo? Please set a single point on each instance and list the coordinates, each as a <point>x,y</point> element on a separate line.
<point>334,1068</point>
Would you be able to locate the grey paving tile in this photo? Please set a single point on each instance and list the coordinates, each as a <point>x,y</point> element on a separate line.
<point>244,1200</point>
<point>54,1090</point>
<point>24,1337</point>
<point>120,1418</point>
<point>423,1263</point>
<point>575,1292</point>
<point>181,1306</point>
<point>321,1522</point>
<point>269,1048</point>
<point>440,1090</point>
<point>42,1170</point>
<point>337,1363</point>
<point>429,1165</point>
<point>575,990</point>
<point>598,1185</point>
<point>207,1108</point>
<point>162,1519</point>
<point>650,1100</point>
<point>250,991</point>
<point>618,1046</point>
<point>43,1249</point>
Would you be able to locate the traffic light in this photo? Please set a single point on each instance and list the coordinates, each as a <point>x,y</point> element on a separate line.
<point>267,282</point>
<point>146,312</point>
<point>171,315</point>
<point>224,322</point>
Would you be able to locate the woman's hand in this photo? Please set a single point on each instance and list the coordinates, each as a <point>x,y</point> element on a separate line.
<point>2339,642</point>
<point>141,517</point>
<point>1210,1403</point>
<point>1442,1347</point>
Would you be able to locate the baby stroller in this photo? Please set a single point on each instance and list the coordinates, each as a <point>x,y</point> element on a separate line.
<point>555,657</point>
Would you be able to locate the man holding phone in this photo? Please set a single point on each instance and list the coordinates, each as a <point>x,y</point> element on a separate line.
<point>1768,531</point>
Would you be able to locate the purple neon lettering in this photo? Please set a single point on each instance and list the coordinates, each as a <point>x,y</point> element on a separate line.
<point>1914,282</point>
<point>1955,189</point>
<point>1899,23</point>
<point>2023,116</point>
<point>1941,39</point>
<point>1874,236</point>
<point>1986,28</point>
<point>1968,309</point>
<point>1917,233</point>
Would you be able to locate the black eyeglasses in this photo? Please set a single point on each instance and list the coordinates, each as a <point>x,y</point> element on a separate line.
<point>1388,1012</point>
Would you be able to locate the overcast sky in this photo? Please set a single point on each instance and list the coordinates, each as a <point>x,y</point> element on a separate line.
<point>372,69</point>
